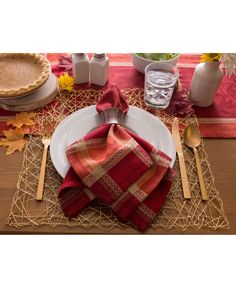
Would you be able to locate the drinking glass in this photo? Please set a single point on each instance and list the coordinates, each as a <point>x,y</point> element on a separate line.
<point>160,80</point>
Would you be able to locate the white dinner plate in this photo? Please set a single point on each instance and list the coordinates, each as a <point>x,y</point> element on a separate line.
<point>81,122</point>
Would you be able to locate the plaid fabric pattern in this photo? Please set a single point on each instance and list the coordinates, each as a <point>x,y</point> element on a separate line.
<point>73,195</point>
<point>119,168</point>
<point>137,201</point>
<point>100,158</point>
<point>149,208</point>
<point>145,185</point>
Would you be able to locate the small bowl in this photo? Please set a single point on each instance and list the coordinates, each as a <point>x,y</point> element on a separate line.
<point>140,63</point>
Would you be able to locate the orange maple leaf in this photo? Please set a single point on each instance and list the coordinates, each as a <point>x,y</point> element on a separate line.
<point>14,134</point>
<point>14,145</point>
<point>22,118</point>
<point>14,140</point>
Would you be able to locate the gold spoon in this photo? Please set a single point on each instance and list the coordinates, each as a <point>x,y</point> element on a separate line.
<point>192,139</point>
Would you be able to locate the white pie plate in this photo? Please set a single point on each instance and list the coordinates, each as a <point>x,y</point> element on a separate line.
<point>79,123</point>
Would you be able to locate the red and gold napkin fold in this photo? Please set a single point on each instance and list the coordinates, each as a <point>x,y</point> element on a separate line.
<point>112,98</point>
<point>119,168</point>
<point>108,160</point>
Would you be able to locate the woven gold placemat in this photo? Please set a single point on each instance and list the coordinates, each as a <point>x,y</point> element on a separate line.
<point>176,213</point>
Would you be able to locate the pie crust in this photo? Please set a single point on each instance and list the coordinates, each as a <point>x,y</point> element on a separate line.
<point>22,73</point>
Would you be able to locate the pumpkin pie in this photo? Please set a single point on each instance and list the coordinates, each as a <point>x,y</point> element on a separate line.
<point>22,73</point>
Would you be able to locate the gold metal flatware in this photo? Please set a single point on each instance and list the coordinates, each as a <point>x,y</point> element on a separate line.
<point>182,166</point>
<point>193,140</point>
<point>46,142</point>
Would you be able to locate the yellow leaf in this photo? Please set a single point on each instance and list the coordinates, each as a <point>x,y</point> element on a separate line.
<point>23,118</point>
<point>14,134</point>
<point>66,82</point>
<point>14,140</point>
<point>14,145</point>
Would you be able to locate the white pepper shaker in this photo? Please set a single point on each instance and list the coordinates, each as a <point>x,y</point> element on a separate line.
<point>80,67</point>
<point>99,69</point>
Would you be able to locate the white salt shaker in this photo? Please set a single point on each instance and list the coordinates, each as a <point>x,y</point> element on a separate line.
<point>99,66</point>
<point>80,67</point>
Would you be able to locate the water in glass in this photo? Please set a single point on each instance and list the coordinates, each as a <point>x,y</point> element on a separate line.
<point>159,86</point>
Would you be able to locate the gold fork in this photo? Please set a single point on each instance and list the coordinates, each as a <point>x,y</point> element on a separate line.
<point>46,142</point>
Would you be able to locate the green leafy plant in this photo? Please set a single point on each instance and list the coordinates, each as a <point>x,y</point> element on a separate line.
<point>157,56</point>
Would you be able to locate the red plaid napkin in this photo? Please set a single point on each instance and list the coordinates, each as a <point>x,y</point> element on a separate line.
<point>119,168</point>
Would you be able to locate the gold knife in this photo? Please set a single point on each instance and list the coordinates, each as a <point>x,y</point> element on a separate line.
<point>183,173</point>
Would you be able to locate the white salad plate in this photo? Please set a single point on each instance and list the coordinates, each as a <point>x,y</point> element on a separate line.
<point>81,122</point>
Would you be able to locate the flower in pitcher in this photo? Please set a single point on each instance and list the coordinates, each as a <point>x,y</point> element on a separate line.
<point>209,57</point>
<point>227,59</point>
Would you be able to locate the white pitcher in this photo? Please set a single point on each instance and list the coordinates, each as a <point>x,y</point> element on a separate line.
<point>205,82</point>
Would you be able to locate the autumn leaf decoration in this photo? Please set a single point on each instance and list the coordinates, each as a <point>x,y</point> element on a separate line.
<point>21,119</point>
<point>14,138</point>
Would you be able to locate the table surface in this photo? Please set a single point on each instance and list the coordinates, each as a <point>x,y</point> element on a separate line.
<point>222,157</point>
